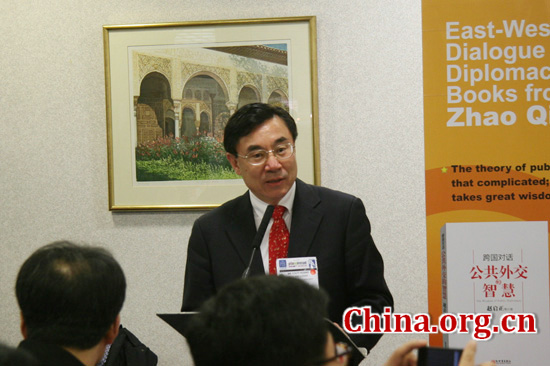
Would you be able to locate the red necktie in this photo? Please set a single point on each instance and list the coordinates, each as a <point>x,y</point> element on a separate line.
<point>278,239</point>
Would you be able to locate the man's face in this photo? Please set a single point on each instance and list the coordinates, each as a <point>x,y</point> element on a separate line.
<point>271,180</point>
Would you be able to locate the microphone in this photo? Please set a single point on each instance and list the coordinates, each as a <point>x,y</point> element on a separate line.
<point>258,237</point>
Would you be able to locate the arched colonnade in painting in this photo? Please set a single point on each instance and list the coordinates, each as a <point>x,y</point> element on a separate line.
<point>177,96</point>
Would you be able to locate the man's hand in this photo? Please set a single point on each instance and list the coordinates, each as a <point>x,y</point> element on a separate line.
<point>404,355</point>
<point>469,355</point>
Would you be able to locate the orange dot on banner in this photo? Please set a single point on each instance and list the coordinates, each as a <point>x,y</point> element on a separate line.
<point>312,271</point>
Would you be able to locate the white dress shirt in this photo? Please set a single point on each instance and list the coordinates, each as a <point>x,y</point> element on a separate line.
<point>259,207</point>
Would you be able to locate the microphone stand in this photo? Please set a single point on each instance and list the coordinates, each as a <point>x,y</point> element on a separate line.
<point>258,237</point>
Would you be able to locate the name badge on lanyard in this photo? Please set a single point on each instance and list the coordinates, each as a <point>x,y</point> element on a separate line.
<point>304,268</point>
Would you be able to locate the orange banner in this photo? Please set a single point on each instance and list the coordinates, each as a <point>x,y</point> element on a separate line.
<point>486,118</point>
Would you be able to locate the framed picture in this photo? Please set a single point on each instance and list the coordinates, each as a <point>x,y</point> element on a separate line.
<point>170,89</point>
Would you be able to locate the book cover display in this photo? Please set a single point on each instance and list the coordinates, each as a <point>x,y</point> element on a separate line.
<point>498,268</point>
<point>486,132</point>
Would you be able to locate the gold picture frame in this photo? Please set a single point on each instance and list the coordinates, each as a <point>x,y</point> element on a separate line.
<point>169,84</point>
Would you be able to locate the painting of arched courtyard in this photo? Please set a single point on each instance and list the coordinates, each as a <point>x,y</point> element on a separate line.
<point>183,97</point>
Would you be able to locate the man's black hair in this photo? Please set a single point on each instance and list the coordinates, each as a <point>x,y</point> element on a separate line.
<point>262,320</point>
<point>248,118</point>
<point>70,295</point>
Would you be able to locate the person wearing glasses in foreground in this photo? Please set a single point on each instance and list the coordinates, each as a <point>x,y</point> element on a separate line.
<point>274,321</point>
<point>332,226</point>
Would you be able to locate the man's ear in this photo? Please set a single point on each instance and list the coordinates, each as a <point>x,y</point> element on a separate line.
<point>233,161</point>
<point>113,331</point>
<point>23,326</point>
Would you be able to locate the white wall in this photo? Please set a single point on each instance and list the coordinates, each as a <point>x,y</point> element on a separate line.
<point>53,154</point>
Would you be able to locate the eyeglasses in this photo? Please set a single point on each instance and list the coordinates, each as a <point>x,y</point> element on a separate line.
<point>341,350</point>
<point>259,156</point>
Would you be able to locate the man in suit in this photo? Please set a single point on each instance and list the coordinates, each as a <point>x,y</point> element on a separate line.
<point>329,225</point>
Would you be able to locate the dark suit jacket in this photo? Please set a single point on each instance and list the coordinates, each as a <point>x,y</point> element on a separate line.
<point>327,224</point>
<point>49,354</point>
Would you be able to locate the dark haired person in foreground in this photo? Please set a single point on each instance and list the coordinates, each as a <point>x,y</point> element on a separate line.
<point>70,297</point>
<point>308,221</point>
<point>265,320</point>
<point>274,321</point>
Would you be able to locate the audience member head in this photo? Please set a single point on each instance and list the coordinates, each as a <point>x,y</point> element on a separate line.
<point>70,295</point>
<point>248,118</point>
<point>263,320</point>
